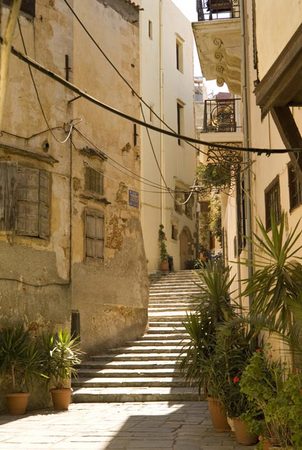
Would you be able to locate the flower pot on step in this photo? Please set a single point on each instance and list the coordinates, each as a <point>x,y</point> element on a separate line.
<point>17,403</point>
<point>218,415</point>
<point>61,398</point>
<point>242,434</point>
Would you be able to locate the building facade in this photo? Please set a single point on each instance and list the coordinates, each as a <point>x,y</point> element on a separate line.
<point>168,164</point>
<point>250,46</point>
<point>71,243</point>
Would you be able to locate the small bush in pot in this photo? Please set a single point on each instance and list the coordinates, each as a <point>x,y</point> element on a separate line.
<point>61,355</point>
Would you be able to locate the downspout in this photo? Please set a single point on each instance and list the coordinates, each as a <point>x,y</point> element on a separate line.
<point>246,139</point>
<point>161,95</point>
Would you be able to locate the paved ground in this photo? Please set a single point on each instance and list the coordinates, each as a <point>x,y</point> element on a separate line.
<point>129,426</point>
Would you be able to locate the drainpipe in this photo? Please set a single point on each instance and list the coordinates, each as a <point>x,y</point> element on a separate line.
<point>161,94</point>
<point>246,136</point>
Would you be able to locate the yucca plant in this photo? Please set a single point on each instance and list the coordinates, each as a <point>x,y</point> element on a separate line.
<point>20,360</point>
<point>276,284</point>
<point>61,353</point>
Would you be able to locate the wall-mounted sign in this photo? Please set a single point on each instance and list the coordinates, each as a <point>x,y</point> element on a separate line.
<point>134,198</point>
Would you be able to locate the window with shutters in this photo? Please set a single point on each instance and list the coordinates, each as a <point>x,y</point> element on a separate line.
<point>27,6</point>
<point>94,181</point>
<point>294,187</point>
<point>33,200</point>
<point>272,203</point>
<point>94,234</point>
<point>24,200</point>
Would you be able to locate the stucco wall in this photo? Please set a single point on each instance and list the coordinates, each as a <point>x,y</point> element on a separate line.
<point>276,22</point>
<point>162,86</point>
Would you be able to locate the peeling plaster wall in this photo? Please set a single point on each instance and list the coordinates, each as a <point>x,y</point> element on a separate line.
<point>111,295</point>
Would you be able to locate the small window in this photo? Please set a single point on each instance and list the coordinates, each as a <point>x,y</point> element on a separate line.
<point>272,203</point>
<point>180,120</point>
<point>174,233</point>
<point>94,234</point>
<point>178,199</point>
<point>189,206</point>
<point>150,29</point>
<point>94,181</point>
<point>27,6</point>
<point>179,54</point>
<point>294,187</point>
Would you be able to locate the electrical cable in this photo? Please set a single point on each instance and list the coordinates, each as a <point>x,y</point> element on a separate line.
<point>159,168</point>
<point>119,113</point>
<point>122,76</point>
<point>39,98</point>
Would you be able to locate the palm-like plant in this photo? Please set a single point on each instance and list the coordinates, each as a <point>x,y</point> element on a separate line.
<point>61,355</point>
<point>19,357</point>
<point>276,283</point>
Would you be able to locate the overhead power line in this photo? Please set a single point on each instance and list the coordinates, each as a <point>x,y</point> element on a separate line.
<point>122,76</point>
<point>117,112</point>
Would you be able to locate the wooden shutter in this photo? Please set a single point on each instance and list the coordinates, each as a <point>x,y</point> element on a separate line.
<point>44,197</point>
<point>94,180</point>
<point>8,184</point>
<point>28,202</point>
<point>94,234</point>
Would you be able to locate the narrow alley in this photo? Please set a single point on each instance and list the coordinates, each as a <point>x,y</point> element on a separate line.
<point>133,398</point>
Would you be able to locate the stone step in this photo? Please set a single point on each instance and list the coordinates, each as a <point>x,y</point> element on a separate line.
<point>149,350</point>
<point>128,373</point>
<point>164,336</point>
<point>158,342</point>
<point>136,357</point>
<point>135,394</point>
<point>130,382</point>
<point>140,365</point>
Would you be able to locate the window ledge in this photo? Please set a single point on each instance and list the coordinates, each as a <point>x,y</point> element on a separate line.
<point>96,197</point>
<point>7,149</point>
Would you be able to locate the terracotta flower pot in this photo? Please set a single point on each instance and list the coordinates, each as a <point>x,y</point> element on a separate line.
<point>218,415</point>
<point>17,403</point>
<point>164,266</point>
<point>242,434</point>
<point>61,398</point>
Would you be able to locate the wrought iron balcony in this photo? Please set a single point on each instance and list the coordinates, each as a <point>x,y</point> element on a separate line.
<point>222,115</point>
<point>217,9</point>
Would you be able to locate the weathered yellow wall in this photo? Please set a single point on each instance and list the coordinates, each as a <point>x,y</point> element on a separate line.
<point>111,295</point>
<point>276,22</point>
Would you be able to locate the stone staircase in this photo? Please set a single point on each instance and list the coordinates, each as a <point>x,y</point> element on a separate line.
<point>145,369</point>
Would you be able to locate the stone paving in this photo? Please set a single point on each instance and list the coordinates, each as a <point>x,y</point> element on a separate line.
<point>129,426</point>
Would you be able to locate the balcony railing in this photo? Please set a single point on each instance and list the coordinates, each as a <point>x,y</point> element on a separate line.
<point>221,115</point>
<point>217,9</point>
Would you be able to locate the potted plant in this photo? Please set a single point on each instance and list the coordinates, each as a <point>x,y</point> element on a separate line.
<point>61,354</point>
<point>19,364</point>
<point>164,263</point>
<point>276,395</point>
<point>199,359</point>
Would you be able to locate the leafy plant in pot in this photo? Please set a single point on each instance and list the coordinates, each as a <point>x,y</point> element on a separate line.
<point>235,345</point>
<point>19,364</point>
<point>276,394</point>
<point>199,361</point>
<point>61,354</point>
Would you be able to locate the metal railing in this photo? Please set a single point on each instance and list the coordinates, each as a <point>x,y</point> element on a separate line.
<point>217,9</point>
<point>221,115</point>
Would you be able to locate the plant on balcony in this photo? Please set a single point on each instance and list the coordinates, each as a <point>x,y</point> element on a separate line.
<point>214,176</point>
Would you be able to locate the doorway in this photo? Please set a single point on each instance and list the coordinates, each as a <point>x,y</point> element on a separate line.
<point>185,244</point>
